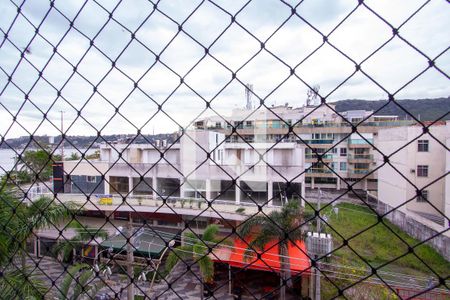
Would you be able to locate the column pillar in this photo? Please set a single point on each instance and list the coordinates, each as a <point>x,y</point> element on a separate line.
<point>106,185</point>
<point>312,183</point>
<point>338,183</point>
<point>181,188</point>
<point>365,184</point>
<point>238,191</point>
<point>130,186</point>
<point>208,189</point>
<point>155,187</point>
<point>270,192</point>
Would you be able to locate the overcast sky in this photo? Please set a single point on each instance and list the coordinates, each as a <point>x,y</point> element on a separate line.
<point>358,36</point>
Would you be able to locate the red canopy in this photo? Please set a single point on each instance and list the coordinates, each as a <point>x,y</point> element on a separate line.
<point>270,259</point>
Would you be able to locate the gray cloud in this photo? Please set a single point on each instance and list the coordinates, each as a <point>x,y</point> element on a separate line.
<point>357,37</point>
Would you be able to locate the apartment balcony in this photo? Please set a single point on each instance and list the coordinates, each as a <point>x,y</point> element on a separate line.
<point>365,124</point>
<point>312,157</point>
<point>359,173</point>
<point>319,172</point>
<point>360,158</point>
<point>319,143</point>
<point>360,143</point>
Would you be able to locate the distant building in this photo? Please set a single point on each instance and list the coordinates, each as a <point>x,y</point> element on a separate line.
<point>346,155</point>
<point>421,160</point>
<point>236,172</point>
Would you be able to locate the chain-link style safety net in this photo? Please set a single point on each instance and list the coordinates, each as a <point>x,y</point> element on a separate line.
<point>173,173</point>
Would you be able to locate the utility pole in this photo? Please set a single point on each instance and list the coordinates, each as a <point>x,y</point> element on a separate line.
<point>317,269</point>
<point>319,199</point>
<point>62,132</point>
<point>130,259</point>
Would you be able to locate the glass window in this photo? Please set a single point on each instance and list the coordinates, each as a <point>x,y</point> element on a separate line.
<point>422,145</point>
<point>343,166</point>
<point>343,151</point>
<point>423,197</point>
<point>91,179</point>
<point>422,171</point>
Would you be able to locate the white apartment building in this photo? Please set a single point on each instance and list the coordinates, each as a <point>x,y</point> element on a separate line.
<point>347,156</point>
<point>423,161</point>
<point>200,166</point>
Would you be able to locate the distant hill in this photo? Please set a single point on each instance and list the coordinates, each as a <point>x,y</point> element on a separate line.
<point>81,142</point>
<point>426,109</point>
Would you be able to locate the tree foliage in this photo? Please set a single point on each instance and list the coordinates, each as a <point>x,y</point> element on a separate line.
<point>82,237</point>
<point>38,162</point>
<point>79,283</point>
<point>19,221</point>
<point>198,250</point>
<point>283,226</point>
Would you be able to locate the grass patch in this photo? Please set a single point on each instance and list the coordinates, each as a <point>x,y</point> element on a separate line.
<point>379,242</point>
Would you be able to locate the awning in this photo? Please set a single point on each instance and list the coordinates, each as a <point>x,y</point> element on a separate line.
<point>148,243</point>
<point>270,260</point>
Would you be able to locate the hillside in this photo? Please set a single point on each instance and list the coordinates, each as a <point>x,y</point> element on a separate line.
<point>425,109</point>
<point>84,141</point>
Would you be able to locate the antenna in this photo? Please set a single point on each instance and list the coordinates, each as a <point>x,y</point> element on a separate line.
<point>248,95</point>
<point>312,95</point>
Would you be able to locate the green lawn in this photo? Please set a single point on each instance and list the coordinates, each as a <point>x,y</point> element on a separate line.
<point>378,245</point>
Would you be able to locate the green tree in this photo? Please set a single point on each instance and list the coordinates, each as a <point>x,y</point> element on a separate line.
<point>197,249</point>
<point>39,162</point>
<point>78,283</point>
<point>95,155</point>
<point>74,156</point>
<point>18,221</point>
<point>280,225</point>
<point>82,237</point>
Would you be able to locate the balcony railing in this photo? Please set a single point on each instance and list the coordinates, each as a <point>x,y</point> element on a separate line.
<point>360,156</point>
<point>318,171</point>
<point>359,171</point>
<point>146,203</point>
<point>360,141</point>
<point>320,141</point>
<point>319,125</point>
<point>315,156</point>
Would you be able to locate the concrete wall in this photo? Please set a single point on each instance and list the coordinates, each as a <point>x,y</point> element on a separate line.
<point>79,184</point>
<point>447,179</point>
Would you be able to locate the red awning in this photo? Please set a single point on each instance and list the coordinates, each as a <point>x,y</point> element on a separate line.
<point>270,259</point>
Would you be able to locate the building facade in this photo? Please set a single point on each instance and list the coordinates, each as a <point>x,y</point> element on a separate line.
<point>416,181</point>
<point>335,154</point>
<point>201,165</point>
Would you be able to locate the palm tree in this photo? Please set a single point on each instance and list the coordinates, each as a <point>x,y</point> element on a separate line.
<point>18,221</point>
<point>84,287</point>
<point>281,226</point>
<point>83,236</point>
<point>197,249</point>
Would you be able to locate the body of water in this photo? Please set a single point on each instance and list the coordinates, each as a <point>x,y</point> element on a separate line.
<point>7,157</point>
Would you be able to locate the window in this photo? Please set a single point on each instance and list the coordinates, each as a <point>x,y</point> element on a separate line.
<point>91,179</point>
<point>422,145</point>
<point>422,171</point>
<point>343,151</point>
<point>343,165</point>
<point>423,197</point>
